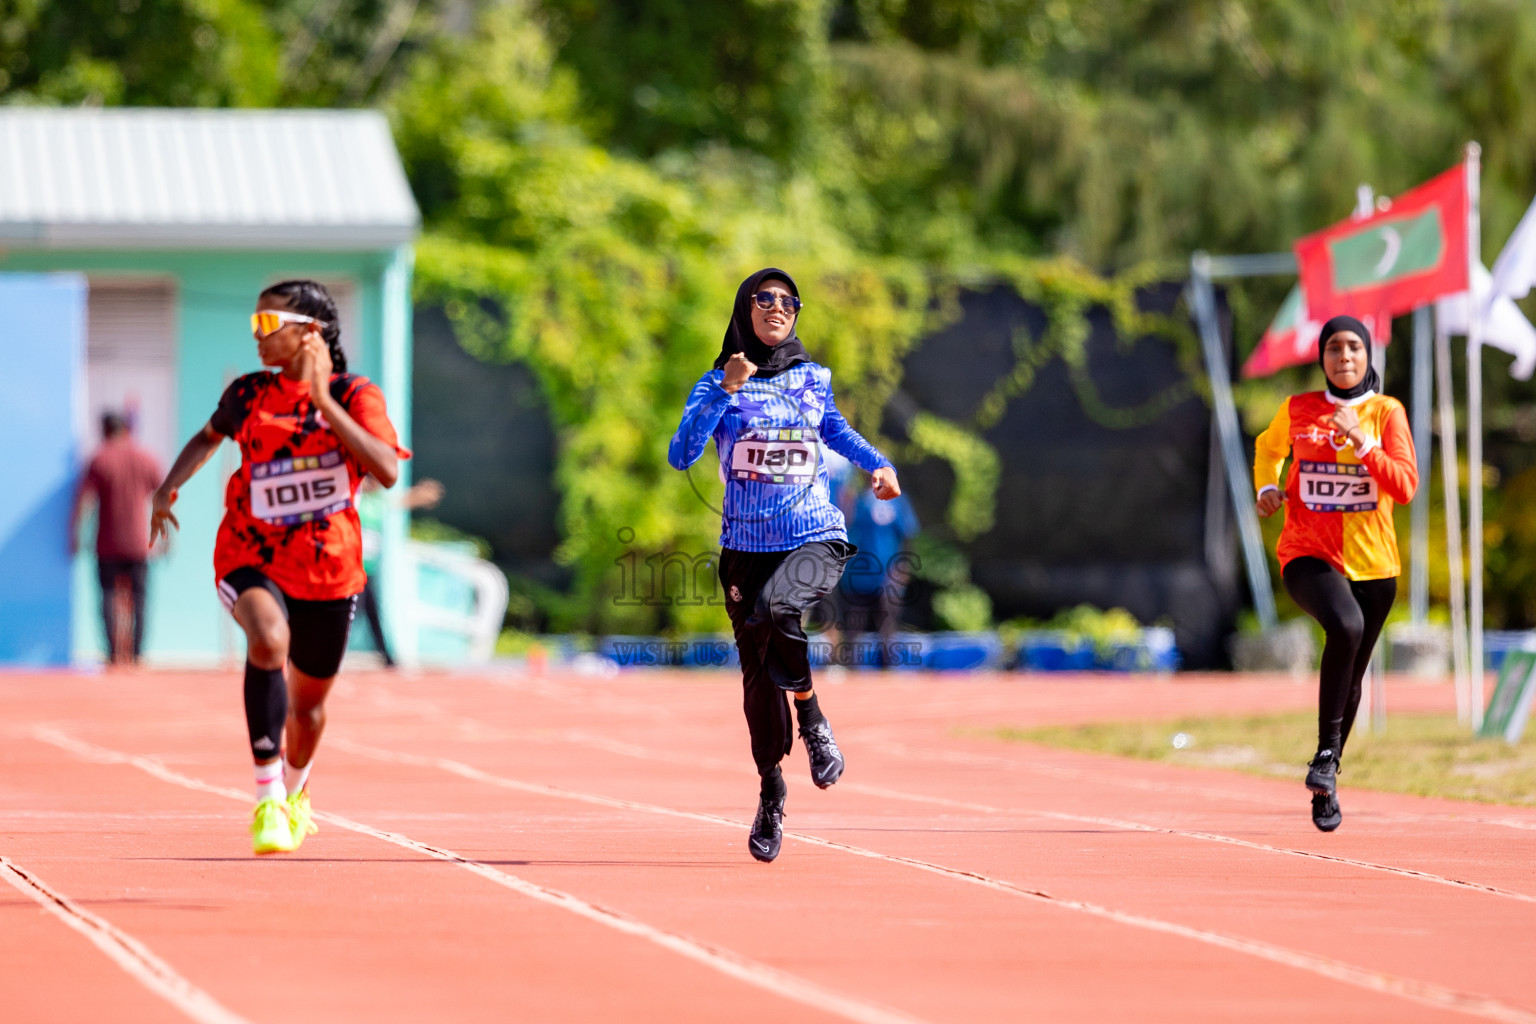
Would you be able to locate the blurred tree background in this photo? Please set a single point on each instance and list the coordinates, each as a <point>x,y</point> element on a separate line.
<point>596,176</point>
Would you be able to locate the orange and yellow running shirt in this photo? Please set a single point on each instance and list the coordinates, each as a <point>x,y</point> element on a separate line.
<point>290,510</point>
<point>1338,501</point>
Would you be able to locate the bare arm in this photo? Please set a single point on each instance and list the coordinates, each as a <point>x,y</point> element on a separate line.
<point>377,455</point>
<point>423,494</point>
<point>77,510</point>
<point>192,458</point>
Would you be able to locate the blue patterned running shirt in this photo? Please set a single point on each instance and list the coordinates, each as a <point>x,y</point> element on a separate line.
<point>769,436</point>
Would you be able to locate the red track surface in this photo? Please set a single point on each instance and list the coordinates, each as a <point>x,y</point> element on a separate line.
<point>573,849</point>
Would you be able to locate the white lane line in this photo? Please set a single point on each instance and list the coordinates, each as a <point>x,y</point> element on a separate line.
<point>1526,826</point>
<point>645,753</point>
<point>1423,992</point>
<point>724,961</point>
<point>122,949</point>
<point>1210,837</point>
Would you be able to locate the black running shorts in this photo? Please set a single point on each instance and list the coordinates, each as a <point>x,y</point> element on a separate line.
<point>317,630</point>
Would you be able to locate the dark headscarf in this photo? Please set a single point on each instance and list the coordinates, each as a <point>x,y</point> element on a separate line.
<point>1371,381</point>
<point>771,360</point>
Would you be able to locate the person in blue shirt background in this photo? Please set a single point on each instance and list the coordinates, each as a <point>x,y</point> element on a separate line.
<point>783,543</point>
<point>875,580</point>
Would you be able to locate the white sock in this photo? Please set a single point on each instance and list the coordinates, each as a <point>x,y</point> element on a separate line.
<point>295,778</point>
<point>269,782</point>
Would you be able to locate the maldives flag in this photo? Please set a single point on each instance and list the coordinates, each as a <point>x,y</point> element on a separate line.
<point>1406,256</point>
<point>1291,339</point>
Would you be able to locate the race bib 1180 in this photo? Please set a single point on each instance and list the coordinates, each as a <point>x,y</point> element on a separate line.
<point>1335,487</point>
<point>775,455</point>
<point>301,490</point>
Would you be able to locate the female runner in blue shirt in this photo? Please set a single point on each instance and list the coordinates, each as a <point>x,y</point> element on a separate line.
<point>784,544</point>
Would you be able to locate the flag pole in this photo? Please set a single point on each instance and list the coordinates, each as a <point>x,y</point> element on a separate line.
<point>1202,299</point>
<point>1373,704</point>
<point>1365,205</point>
<point>1418,580</point>
<point>1450,476</point>
<point>1475,431</point>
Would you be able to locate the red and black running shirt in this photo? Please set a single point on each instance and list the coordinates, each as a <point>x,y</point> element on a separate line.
<point>290,510</point>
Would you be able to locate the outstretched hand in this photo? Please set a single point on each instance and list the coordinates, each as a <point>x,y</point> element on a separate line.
<point>885,484</point>
<point>161,514</point>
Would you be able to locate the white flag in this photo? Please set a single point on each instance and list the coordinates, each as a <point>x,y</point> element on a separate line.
<point>1504,326</point>
<point>1514,272</point>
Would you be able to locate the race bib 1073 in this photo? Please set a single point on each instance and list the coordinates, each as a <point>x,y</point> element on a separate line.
<point>291,491</point>
<point>775,455</point>
<point>1335,487</point>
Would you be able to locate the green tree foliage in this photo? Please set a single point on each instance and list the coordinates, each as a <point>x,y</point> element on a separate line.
<point>613,279</point>
<point>674,73</point>
<point>138,52</point>
<point>208,53</point>
<point>1117,132</point>
<point>597,176</point>
<point>1131,130</point>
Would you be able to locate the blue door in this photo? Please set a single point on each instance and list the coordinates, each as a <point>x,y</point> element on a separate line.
<point>42,347</point>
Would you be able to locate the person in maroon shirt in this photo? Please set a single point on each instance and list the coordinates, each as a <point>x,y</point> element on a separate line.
<point>121,476</point>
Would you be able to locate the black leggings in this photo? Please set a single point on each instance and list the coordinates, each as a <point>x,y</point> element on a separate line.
<point>1351,614</point>
<point>766,594</point>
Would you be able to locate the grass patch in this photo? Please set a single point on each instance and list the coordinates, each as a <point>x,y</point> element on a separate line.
<point>1423,755</point>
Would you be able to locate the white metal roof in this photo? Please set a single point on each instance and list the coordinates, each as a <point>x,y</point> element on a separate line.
<point>224,179</point>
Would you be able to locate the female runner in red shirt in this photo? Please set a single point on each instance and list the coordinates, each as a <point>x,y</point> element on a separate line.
<point>1351,461</point>
<point>288,560</point>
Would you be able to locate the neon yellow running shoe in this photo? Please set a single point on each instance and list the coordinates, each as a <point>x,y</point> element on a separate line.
<point>300,819</point>
<point>270,831</point>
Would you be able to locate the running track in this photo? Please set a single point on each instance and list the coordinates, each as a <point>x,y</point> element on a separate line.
<point>565,848</point>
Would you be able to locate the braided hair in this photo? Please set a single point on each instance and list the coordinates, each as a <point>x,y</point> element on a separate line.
<point>311,299</point>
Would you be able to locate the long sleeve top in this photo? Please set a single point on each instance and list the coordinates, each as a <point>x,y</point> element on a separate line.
<point>769,436</point>
<point>1339,500</point>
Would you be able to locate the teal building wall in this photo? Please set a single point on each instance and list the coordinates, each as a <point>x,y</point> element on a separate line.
<point>215,295</point>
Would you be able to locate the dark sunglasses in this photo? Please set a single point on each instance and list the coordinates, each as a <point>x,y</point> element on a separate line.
<point>767,300</point>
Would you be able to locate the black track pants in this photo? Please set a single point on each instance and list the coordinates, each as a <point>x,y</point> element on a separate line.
<point>766,595</point>
<point>132,575</point>
<point>370,601</point>
<point>1351,614</point>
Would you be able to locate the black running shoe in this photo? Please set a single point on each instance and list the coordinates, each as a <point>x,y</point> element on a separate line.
<point>767,829</point>
<point>826,759</point>
<point>1323,773</point>
<point>1326,814</point>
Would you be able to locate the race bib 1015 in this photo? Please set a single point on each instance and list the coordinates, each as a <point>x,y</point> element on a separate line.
<point>1335,487</point>
<point>291,491</point>
<point>775,455</point>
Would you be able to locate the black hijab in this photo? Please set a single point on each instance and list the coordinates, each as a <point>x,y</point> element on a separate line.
<point>1371,381</point>
<point>771,360</point>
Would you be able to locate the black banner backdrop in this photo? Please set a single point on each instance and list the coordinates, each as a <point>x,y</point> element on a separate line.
<point>1134,517</point>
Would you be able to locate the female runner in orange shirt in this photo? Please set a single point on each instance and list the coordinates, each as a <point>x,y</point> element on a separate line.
<point>1352,459</point>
